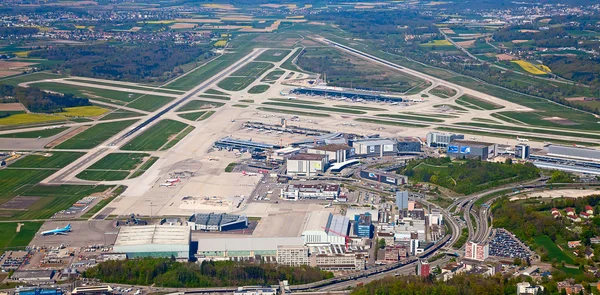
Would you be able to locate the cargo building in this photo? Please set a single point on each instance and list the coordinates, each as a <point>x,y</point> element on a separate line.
<point>465,149</point>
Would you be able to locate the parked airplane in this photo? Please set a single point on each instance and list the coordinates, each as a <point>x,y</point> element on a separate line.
<point>522,139</point>
<point>173,180</point>
<point>327,206</point>
<point>213,159</point>
<point>248,173</point>
<point>579,146</point>
<point>58,231</point>
<point>167,184</point>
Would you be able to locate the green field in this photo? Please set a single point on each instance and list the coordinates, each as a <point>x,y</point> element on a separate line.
<point>273,55</point>
<point>416,118</point>
<point>120,114</point>
<point>291,112</point>
<point>130,86</point>
<point>216,92</point>
<point>392,123</point>
<point>240,105</point>
<point>16,181</point>
<point>316,108</point>
<point>199,104</point>
<point>504,135</point>
<point>215,97</point>
<point>554,252</point>
<point>15,80</point>
<point>443,91</point>
<point>149,103</point>
<point>119,161</point>
<point>197,116</point>
<point>35,134</point>
<point>362,108</point>
<point>142,169</point>
<point>95,135</point>
<point>454,107</point>
<point>235,83</point>
<point>482,104</point>
<point>252,69</point>
<point>154,137</point>
<point>11,240</point>
<point>230,167</point>
<point>288,64</point>
<point>273,75</point>
<point>102,175</point>
<point>258,89</point>
<point>54,160</point>
<point>178,138</point>
<point>532,130</point>
<point>113,96</point>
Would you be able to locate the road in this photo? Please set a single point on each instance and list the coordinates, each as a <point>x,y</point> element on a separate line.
<point>69,172</point>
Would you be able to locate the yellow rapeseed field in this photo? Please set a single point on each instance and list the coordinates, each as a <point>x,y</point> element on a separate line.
<point>19,119</point>
<point>533,69</point>
<point>88,111</point>
<point>220,43</point>
<point>437,43</point>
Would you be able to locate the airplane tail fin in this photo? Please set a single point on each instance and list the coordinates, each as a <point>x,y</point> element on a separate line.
<point>68,226</point>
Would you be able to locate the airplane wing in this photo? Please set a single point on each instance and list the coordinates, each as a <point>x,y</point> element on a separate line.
<point>61,233</point>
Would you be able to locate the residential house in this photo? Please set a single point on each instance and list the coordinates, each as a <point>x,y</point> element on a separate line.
<point>584,215</point>
<point>573,244</point>
<point>570,211</point>
<point>589,209</point>
<point>569,287</point>
<point>574,218</point>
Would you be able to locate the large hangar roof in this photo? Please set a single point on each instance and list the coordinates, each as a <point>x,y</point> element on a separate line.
<point>153,234</point>
<point>246,244</point>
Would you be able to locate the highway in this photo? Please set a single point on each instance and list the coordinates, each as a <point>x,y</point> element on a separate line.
<point>65,174</point>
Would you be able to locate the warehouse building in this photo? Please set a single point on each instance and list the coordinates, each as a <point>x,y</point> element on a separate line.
<point>240,249</point>
<point>408,145</point>
<point>571,152</point>
<point>229,143</point>
<point>438,139</point>
<point>217,222</point>
<point>375,147</point>
<point>306,164</point>
<point>336,257</point>
<point>383,177</point>
<point>325,228</point>
<point>292,255</point>
<point>472,149</point>
<point>337,153</point>
<point>154,241</point>
<point>296,192</point>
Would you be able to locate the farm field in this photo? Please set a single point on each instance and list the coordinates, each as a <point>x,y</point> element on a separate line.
<point>87,111</point>
<point>153,138</point>
<point>35,134</point>
<point>23,119</point>
<point>554,252</point>
<point>53,160</point>
<point>316,108</point>
<point>95,135</point>
<point>16,80</point>
<point>273,55</point>
<point>258,89</point>
<point>532,68</point>
<point>437,43</point>
<point>480,103</point>
<point>119,161</point>
<point>16,181</point>
<point>291,112</point>
<point>199,105</point>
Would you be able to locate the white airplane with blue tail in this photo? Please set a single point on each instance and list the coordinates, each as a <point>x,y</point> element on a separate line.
<point>57,231</point>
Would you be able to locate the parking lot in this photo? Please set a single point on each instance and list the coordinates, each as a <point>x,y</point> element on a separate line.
<point>504,244</point>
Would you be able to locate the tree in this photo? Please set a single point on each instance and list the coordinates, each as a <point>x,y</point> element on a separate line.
<point>381,243</point>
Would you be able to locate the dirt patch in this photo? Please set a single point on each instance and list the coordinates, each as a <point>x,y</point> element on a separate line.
<point>65,137</point>
<point>466,44</point>
<point>19,203</point>
<point>197,20</point>
<point>19,226</point>
<point>183,26</point>
<point>519,41</point>
<point>529,31</point>
<point>545,20</point>
<point>13,106</point>
<point>560,121</point>
<point>317,23</point>
<point>12,65</point>
<point>448,31</point>
<point>8,73</point>
<point>579,98</point>
<point>505,56</point>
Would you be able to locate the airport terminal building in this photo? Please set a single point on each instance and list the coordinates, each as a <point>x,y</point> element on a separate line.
<point>217,222</point>
<point>464,149</point>
<point>154,241</point>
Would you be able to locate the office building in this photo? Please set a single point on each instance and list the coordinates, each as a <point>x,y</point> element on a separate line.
<point>306,164</point>
<point>477,251</point>
<point>522,151</point>
<point>374,147</point>
<point>423,268</point>
<point>154,241</point>
<point>408,145</point>
<point>239,249</point>
<point>435,217</point>
<point>472,149</point>
<point>337,153</point>
<point>363,226</point>
<point>402,200</point>
<point>352,212</point>
<point>525,288</point>
<point>292,255</point>
<point>438,139</point>
<point>384,177</point>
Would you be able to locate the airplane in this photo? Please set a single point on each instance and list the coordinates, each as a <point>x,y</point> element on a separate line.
<point>327,206</point>
<point>579,146</point>
<point>249,173</point>
<point>279,132</point>
<point>57,231</point>
<point>39,137</point>
<point>167,184</point>
<point>522,139</point>
<point>213,159</point>
<point>173,180</point>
